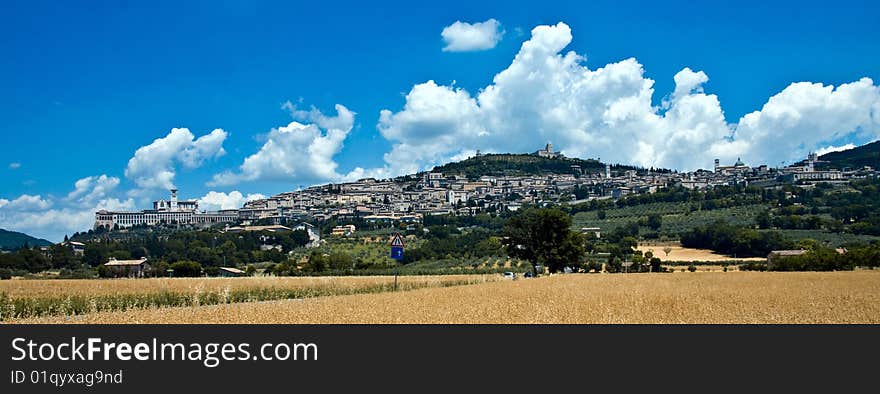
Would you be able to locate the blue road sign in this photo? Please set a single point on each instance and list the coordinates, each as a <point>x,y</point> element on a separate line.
<point>397,252</point>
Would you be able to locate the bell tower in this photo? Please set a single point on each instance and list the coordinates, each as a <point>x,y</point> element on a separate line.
<point>173,199</point>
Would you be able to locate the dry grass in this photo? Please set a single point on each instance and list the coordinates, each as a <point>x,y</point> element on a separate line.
<point>92,287</point>
<point>682,254</point>
<point>22,299</point>
<point>711,297</point>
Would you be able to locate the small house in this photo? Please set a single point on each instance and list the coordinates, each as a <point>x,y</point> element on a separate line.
<point>128,268</point>
<point>345,230</point>
<point>597,232</point>
<point>78,248</point>
<point>313,232</point>
<point>229,272</point>
<point>775,255</point>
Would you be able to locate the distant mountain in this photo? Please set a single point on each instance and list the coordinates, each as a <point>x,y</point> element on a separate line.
<point>10,240</point>
<point>855,158</point>
<point>523,165</point>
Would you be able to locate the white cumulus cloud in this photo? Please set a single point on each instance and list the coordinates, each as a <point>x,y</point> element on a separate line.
<point>805,116</point>
<point>233,200</point>
<point>546,94</point>
<point>153,165</point>
<point>832,148</point>
<point>90,189</point>
<point>298,151</point>
<point>14,166</point>
<point>27,202</point>
<point>688,81</point>
<point>52,219</point>
<point>464,37</point>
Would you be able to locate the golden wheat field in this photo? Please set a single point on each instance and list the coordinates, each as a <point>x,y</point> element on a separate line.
<point>701,297</point>
<point>91,287</point>
<point>681,254</point>
<point>24,299</point>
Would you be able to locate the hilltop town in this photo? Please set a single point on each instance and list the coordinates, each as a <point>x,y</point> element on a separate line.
<point>487,183</point>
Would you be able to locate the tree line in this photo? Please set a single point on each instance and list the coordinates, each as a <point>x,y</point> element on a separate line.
<point>735,240</point>
<point>209,249</point>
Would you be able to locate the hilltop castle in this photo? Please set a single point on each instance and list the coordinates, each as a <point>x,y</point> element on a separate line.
<point>548,152</point>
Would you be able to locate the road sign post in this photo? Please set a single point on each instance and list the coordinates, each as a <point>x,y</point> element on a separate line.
<point>397,245</point>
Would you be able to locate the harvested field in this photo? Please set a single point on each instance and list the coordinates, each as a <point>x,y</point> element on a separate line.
<point>701,297</point>
<point>682,254</point>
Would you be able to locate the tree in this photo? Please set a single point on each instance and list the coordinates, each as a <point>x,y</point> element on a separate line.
<point>121,255</point>
<point>667,249</point>
<point>62,257</point>
<point>600,214</point>
<point>763,219</point>
<point>543,236</point>
<point>655,221</point>
<point>317,262</point>
<point>159,269</point>
<point>186,269</point>
<point>212,271</point>
<point>104,272</point>
<point>808,244</point>
<point>340,261</point>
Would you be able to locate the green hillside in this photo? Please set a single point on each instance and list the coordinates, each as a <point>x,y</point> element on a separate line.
<point>865,155</point>
<point>10,240</point>
<point>522,165</point>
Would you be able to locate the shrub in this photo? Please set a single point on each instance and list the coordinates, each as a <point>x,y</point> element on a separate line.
<point>186,269</point>
<point>80,273</point>
<point>104,272</point>
<point>753,267</point>
<point>692,268</point>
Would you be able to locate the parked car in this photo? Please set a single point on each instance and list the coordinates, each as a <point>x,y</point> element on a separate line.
<point>509,275</point>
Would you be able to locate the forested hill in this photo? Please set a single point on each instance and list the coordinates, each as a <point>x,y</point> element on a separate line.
<point>10,240</point>
<point>865,155</point>
<point>522,165</point>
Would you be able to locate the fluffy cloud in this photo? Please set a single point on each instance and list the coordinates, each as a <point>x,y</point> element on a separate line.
<point>91,189</point>
<point>14,166</point>
<point>49,218</point>
<point>806,116</point>
<point>26,202</point>
<point>218,200</point>
<point>153,165</point>
<point>688,81</point>
<point>302,151</point>
<point>832,148</point>
<point>546,95</point>
<point>434,120</point>
<point>463,36</point>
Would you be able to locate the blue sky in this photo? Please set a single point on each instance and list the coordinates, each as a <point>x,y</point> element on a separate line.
<point>83,86</point>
